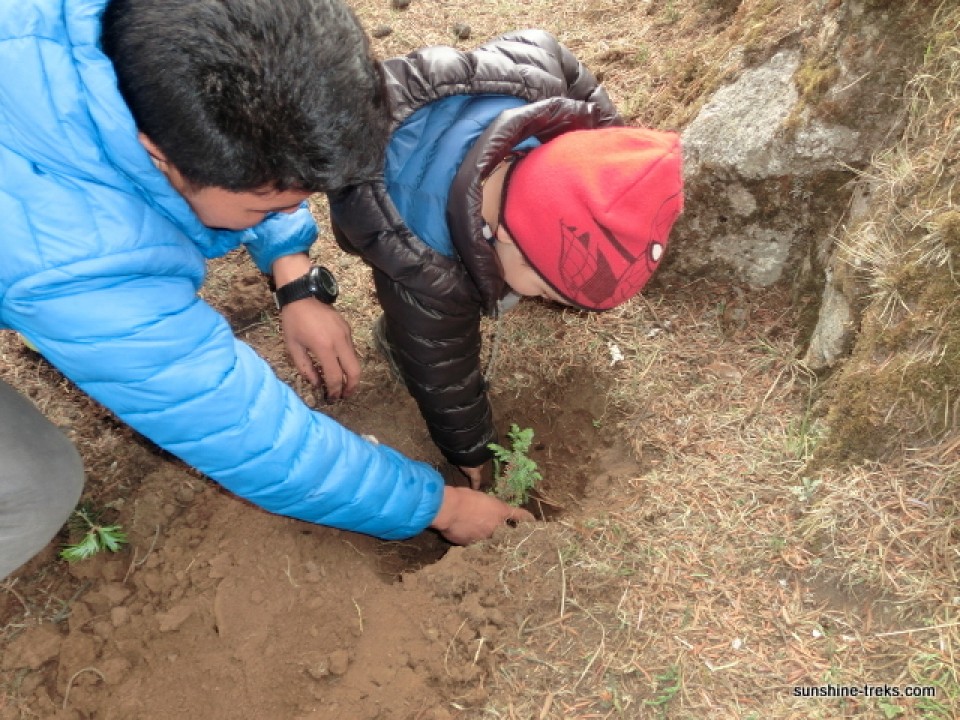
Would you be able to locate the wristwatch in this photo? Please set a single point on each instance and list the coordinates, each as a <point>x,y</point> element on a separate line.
<point>318,283</point>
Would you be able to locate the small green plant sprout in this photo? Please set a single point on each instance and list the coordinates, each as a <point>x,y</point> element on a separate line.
<point>95,537</point>
<point>515,474</point>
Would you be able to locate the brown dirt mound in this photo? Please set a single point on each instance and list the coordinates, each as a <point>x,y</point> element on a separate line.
<point>219,608</point>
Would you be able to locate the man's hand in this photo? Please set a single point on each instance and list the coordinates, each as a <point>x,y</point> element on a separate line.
<point>317,337</point>
<point>467,516</point>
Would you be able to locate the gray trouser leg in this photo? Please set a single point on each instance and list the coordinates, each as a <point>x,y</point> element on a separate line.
<point>41,478</point>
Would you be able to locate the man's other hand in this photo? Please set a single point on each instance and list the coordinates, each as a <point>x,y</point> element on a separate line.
<point>467,516</point>
<point>320,344</point>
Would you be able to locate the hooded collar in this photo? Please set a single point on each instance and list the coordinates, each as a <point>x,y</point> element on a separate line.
<point>61,110</point>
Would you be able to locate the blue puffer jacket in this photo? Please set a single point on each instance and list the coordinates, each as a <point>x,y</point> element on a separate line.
<point>100,265</point>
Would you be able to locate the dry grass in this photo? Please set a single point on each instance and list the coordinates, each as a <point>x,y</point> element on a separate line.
<point>695,553</point>
<point>722,572</point>
<point>903,378</point>
<point>915,223</point>
<point>724,576</point>
<point>728,572</point>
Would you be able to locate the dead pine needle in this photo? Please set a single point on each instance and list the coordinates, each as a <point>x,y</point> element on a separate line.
<point>446,654</point>
<point>563,586</point>
<point>66,693</point>
<point>547,704</point>
<point>134,562</point>
<point>359,614</point>
<point>8,586</point>
<point>910,631</point>
<point>289,573</point>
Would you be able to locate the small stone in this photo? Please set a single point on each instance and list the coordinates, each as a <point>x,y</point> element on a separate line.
<point>115,669</point>
<point>32,648</point>
<point>399,4</point>
<point>82,612</point>
<point>152,581</point>
<point>339,662</point>
<point>220,565</point>
<point>496,617</point>
<point>461,31</point>
<point>381,31</point>
<point>174,618</point>
<point>319,670</point>
<point>185,495</point>
<point>119,616</point>
<point>115,593</point>
<point>102,629</point>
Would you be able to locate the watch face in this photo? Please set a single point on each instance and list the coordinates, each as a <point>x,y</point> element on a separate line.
<point>324,284</point>
<point>328,281</point>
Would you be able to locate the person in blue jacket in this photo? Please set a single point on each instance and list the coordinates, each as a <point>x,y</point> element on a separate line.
<point>138,138</point>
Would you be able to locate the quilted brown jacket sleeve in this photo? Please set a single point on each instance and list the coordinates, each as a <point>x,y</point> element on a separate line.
<point>432,303</point>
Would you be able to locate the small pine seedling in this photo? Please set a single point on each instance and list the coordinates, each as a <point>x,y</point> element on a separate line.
<point>515,474</point>
<point>95,537</point>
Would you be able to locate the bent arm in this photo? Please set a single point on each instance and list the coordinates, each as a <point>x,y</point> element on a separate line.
<point>165,362</point>
<point>436,344</point>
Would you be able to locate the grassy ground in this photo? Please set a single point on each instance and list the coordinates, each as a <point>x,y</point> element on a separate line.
<point>740,573</point>
<point>716,571</point>
<point>726,575</point>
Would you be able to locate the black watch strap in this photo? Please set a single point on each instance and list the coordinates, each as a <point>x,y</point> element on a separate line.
<point>292,291</point>
<point>318,283</point>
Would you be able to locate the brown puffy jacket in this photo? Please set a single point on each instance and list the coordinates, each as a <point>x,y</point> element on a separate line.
<point>432,303</point>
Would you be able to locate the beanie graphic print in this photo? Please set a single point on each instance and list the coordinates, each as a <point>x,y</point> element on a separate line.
<point>613,195</point>
<point>584,268</point>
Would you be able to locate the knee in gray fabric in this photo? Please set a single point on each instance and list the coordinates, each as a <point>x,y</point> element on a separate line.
<point>41,479</point>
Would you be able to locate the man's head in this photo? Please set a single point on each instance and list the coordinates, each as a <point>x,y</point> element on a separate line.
<point>251,95</point>
<point>590,212</point>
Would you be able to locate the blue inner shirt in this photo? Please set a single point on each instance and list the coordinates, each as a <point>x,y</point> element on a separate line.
<point>424,156</point>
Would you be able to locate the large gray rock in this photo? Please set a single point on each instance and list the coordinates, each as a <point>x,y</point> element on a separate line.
<point>741,128</point>
<point>772,160</point>
<point>762,178</point>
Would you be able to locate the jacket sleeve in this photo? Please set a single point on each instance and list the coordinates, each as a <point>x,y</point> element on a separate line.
<point>432,316</point>
<point>144,345</point>
<point>437,348</point>
<point>280,235</point>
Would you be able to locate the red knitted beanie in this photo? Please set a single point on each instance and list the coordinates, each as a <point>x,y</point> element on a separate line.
<point>591,210</point>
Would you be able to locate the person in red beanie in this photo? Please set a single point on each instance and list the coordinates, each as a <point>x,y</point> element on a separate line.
<point>583,219</point>
<point>509,173</point>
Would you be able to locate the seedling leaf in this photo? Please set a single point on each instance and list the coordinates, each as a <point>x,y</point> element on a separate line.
<point>515,474</point>
<point>95,537</point>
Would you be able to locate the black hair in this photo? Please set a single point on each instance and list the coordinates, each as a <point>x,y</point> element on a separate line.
<point>248,94</point>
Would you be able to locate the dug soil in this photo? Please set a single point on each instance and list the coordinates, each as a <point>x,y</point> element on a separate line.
<point>217,609</point>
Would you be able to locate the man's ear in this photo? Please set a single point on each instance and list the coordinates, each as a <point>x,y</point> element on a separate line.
<point>162,164</point>
<point>159,159</point>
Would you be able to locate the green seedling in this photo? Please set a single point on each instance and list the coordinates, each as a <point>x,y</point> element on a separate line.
<point>95,537</point>
<point>515,474</point>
